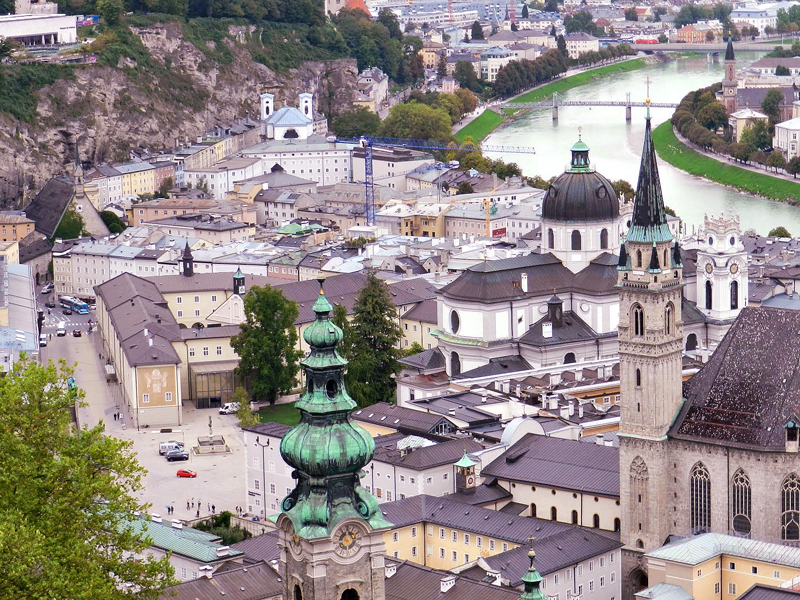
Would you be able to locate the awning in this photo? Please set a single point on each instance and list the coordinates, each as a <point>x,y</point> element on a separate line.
<point>217,366</point>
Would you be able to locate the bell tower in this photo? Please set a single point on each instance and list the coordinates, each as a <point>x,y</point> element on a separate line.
<point>187,262</point>
<point>650,349</point>
<point>331,529</point>
<point>465,474</point>
<point>238,283</point>
<point>729,83</point>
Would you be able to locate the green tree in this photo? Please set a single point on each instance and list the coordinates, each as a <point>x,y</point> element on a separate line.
<point>266,344</point>
<point>466,76</point>
<point>388,19</point>
<point>756,136</point>
<point>452,104</point>
<point>340,319</point>
<point>624,189</point>
<point>67,498</point>
<point>164,187</point>
<point>468,100</point>
<point>663,39</point>
<point>713,116</point>
<point>6,47</point>
<point>112,221</point>
<point>71,226</point>
<point>441,66</point>
<point>220,525</point>
<point>477,31</point>
<point>782,71</point>
<point>780,232</point>
<point>465,187</point>
<point>417,121</point>
<point>246,417</point>
<point>110,10</point>
<point>561,44</point>
<point>631,15</point>
<point>355,123</point>
<point>771,105</point>
<point>776,161</point>
<point>793,168</point>
<point>370,375</point>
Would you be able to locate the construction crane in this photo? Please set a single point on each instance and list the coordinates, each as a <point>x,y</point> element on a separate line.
<point>367,142</point>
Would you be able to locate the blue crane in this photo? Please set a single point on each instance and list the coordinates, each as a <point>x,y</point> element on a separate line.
<point>368,141</point>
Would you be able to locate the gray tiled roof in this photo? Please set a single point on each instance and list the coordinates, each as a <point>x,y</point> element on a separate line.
<point>50,204</point>
<point>767,592</point>
<point>272,429</point>
<point>415,582</point>
<point>443,453</point>
<point>497,366</point>
<point>260,548</point>
<point>401,418</point>
<point>485,493</point>
<point>425,360</point>
<point>247,582</point>
<point>208,282</point>
<point>465,405</point>
<point>573,329</point>
<point>559,463</point>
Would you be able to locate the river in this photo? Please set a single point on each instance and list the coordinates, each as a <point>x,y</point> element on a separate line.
<point>616,145</point>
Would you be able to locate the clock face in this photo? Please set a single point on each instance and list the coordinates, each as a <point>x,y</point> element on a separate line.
<point>348,541</point>
<point>709,268</point>
<point>734,268</point>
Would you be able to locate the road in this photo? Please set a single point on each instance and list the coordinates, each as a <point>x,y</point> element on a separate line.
<point>220,477</point>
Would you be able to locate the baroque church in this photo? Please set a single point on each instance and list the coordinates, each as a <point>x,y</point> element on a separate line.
<point>718,453</point>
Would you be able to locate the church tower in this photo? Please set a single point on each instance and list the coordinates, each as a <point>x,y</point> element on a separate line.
<point>331,529</point>
<point>650,348</point>
<point>729,83</point>
<point>187,262</point>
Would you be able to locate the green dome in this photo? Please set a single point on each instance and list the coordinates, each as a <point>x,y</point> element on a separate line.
<point>322,333</point>
<point>341,447</point>
<point>579,146</point>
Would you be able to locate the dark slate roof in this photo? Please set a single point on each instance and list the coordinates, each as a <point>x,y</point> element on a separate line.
<point>599,276</point>
<point>425,311</point>
<point>401,418</point>
<point>259,548</point>
<point>481,521</point>
<point>572,329</point>
<point>513,508</point>
<point>419,459</point>
<point>50,204</point>
<point>760,591</point>
<point>754,97</point>
<point>559,463</point>
<point>249,582</point>
<point>751,384</point>
<point>415,582</point>
<point>466,406</point>
<point>271,429</point>
<point>425,360</point>
<point>552,553</point>
<point>648,205</point>
<point>583,195</point>
<point>486,493</point>
<point>689,262</point>
<point>209,282</point>
<point>497,366</point>
<point>34,250</point>
<point>690,314</point>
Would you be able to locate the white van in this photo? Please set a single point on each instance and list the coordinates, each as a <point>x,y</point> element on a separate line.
<point>165,447</point>
<point>42,340</point>
<point>61,331</point>
<point>229,408</point>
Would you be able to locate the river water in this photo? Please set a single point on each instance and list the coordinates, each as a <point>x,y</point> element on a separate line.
<point>616,145</point>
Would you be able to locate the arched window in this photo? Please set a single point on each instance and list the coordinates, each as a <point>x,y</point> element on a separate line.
<point>298,593</point>
<point>603,239</point>
<point>349,594</point>
<point>638,378</point>
<point>533,509</point>
<point>551,239</point>
<point>553,514</point>
<point>708,295</point>
<point>639,480</point>
<point>740,494</point>
<point>668,318</point>
<point>700,499</point>
<point>596,522</point>
<point>691,341</point>
<point>455,364</point>
<point>790,508</point>
<point>734,295</point>
<point>574,517</point>
<point>638,320</point>
<point>617,524</point>
<point>666,259</point>
<point>569,358</point>
<point>576,239</point>
<point>638,259</point>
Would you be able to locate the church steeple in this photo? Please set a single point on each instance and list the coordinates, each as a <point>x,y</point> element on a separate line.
<point>531,581</point>
<point>187,261</point>
<point>331,527</point>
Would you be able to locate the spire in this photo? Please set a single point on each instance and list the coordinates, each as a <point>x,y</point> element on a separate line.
<point>532,580</point>
<point>580,157</point>
<point>729,50</point>
<point>623,257</point>
<point>327,449</point>
<point>649,223</point>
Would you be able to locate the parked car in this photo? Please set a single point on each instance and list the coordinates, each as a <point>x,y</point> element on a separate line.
<point>66,311</point>
<point>43,339</point>
<point>50,304</point>
<point>76,333</point>
<point>186,473</point>
<point>165,447</point>
<point>47,289</point>
<point>177,455</point>
<point>229,408</point>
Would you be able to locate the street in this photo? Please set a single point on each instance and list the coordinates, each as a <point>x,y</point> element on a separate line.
<point>220,477</point>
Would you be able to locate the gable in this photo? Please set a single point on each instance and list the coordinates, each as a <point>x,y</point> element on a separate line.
<point>230,312</point>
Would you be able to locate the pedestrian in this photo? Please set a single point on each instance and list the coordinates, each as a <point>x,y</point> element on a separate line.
<point>115,416</point>
<point>213,509</point>
<point>187,505</point>
<point>193,504</point>
<point>208,506</point>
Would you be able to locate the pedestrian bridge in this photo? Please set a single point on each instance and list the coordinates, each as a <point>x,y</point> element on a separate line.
<point>557,101</point>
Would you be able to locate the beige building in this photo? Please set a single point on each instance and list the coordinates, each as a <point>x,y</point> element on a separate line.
<point>15,226</point>
<point>578,43</point>
<point>743,118</point>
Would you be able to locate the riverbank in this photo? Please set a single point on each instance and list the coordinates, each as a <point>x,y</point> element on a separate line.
<point>681,156</point>
<point>480,128</point>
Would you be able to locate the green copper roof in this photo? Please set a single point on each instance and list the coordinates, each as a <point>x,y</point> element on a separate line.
<point>579,146</point>
<point>465,462</point>
<point>238,273</point>
<point>531,580</point>
<point>580,158</point>
<point>327,449</point>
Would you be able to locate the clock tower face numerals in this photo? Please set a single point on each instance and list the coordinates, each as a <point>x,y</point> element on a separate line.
<point>347,541</point>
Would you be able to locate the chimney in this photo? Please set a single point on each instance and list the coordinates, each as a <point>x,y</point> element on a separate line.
<point>145,332</point>
<point>149,341</point>
<point>599,440</point>
<point>524,283</point>
<point>547,330</point>
<point>609,443</point>
<point>206,571</point>
<point>571,407</point>
<point>483,398</point>
<point>199,139</point>
<point>156,518</point>
<point>544,400</point>
<point>447,583</point>
<point>176,524</point>
<point>580,410</point>
<point>553,402</point>
<point>223,550</point>
<point>564,412</point>
<point>391,569</point>
<point>506,387</point>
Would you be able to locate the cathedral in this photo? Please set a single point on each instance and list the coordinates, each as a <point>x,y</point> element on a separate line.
<point>718,453</point>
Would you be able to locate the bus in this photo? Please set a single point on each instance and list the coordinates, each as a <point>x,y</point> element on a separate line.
<point>75,305</point>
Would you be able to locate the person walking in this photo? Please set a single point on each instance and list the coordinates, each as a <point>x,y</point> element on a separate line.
<point>187,505</point>
<point>208,506</point>
<point>213,509</point>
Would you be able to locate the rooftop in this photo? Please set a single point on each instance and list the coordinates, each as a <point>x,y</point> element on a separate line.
<point>700,548</point>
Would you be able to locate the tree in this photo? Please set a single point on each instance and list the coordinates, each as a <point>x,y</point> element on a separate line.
<point>771,105</point>
<point>624,189</point>
<point>67,497</point>
<point>441,66</point>
<point>110,10</point>
<point>452,104</point>
<point>756,136</point>
<point>345,347</point>
<point>266,345</point>
<point>355,123</point>
<point>468,100</point>
<point>417,121</point>
<point>112,221</point>
<point>780,232</point>
<point>793,168</point>
<point>561,44</point>
<point>164,187</point>
<point>782,71</point>
<point>467,78</point>
<point>776,161</point>
<point>713,116</point>
<point>388,19</point>
<point>710,36</point>
<point>6,46</point>
<point>465,187</point>
<point>370,375</point>
<point>525,13</point>
<point>246,417</point>
<point>477,31</point>
<point>663,39</point>
<point>71,226</point>
<point>631,15</point>
<point>552,31</point>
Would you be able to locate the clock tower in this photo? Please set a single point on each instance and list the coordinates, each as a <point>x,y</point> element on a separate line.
<point>331,529</point>
<point>729,83</point>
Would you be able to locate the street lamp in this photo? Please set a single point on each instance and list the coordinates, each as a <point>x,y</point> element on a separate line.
<point>264,474</point>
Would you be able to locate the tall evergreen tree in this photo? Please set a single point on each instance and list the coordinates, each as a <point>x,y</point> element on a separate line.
<point>441,68</point>
<point>477,31</point>
<point>376,335</point>
<point>525,11</point>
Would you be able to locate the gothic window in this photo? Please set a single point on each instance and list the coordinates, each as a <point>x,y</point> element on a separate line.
<point>740,492</point>
<point>708,295</point>
<point>668,318</point>
<point>576,239</point>
<point>603,239</point>
<point>349,594</point>
<point>638,259</point>
<point>790,508</point>
<point>639,478</point>
<point>574,517</point>
<point>617,524</point>
<point>455,364</point>
<point>551,239</point>
<point>298,593</point>
<point>700,499</point>
<point>638,378</point>
<point>638,320</point>
<point>533,509</point>
<point>734,295</point>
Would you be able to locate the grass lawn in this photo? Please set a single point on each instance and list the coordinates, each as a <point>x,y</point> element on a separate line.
<point>478,129</point>
<point>679,155</point>
<point>281,413</point>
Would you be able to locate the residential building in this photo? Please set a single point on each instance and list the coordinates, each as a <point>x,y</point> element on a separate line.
<point>419,323</point>
<point>247,190</point>
<point>382,419</point>
<point>373,89</point>
<point>702,32</point>
<point>389,165</point>
<point>204,227</point>
<point>785,138</point>
<point>14,226</point>
<point>580,42</point>
<point>746,117</point>
<point>754,16</point>
<point>220,177</point>
<point>137,179</point>
<point>492,60</point>
<point>314,159</point>
<point>19,326</point>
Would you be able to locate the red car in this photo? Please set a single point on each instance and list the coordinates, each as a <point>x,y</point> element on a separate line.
<point>186,473</point>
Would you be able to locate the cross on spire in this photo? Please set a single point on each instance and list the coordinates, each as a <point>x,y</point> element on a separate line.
<point>648,81</point>
<point>580,130</point>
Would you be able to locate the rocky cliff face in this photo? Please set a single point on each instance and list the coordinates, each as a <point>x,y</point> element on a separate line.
<point>107,111</point>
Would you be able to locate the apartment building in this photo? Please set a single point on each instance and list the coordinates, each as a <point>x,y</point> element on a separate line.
<point>314,159</point>
<point>14,226</point>
<point>220,177</point>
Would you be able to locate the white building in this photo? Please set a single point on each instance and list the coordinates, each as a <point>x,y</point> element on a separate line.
<point>390,165</point>
<point>221,176</point>
<point>289,122</point>
<point>754,16</point>
<point>314,158</point>
<point>580,42</point>
<point>493,60</point>
<point>39,30</point>
<point>785,138</point>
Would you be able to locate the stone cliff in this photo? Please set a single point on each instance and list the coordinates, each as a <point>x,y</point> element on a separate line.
<point>178,95</point>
